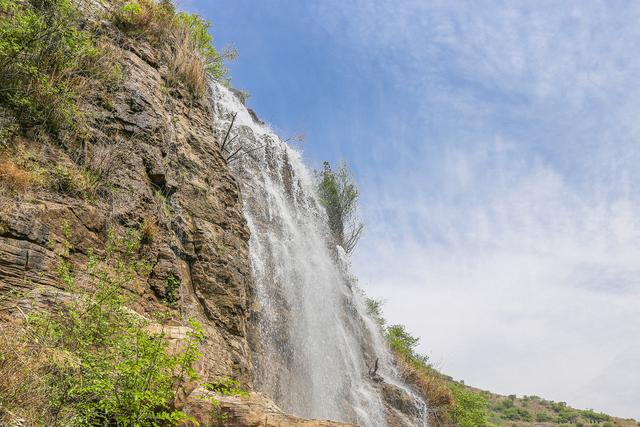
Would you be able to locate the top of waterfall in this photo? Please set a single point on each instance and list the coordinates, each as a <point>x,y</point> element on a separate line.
<point>228,101</point>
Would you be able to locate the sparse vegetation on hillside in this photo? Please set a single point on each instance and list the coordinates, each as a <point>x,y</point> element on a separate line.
<point>454,403</point>
<point>28,168</point>
<point>92,360</point>
<point>183,38</point>
<point>448,402</point>
<point>533,410</point>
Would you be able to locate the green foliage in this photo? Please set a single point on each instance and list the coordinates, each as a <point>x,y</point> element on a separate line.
<point>374,308</point>
<point>448,401</point>
<point>202,40</point>
<point>227,387</point>
<point>339,195</point>
<point>116,369</point>
<point>542,417</point>
<point>172,285</point>
<point>594,417</point>
<point>470,407</point>
<point>45,57</point>
<point>517,414</point>
<point>403,343</point>
<point>147,19</point>
<point>8,128</point>
<point>130,11</point>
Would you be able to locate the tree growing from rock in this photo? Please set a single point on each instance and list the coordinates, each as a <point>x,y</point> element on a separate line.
<point>339,195</point>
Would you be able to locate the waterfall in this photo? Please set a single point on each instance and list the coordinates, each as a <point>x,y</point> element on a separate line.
<point>316,345</point>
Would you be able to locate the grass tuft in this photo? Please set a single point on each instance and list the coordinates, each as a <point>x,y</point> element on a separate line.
<point>183,38</point>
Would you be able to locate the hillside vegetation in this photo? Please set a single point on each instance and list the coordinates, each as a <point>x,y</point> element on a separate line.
<point>452,401</point>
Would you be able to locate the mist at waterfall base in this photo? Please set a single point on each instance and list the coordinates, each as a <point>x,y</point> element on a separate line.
<point>316,343</point>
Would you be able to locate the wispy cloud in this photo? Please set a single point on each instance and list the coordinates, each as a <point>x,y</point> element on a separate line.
<point>507,232</point>
<point>497,145</point>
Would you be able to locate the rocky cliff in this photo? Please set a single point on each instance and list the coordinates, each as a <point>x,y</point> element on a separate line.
<point>142,161</point>
<point>150,162</point>
<point>162,167</point>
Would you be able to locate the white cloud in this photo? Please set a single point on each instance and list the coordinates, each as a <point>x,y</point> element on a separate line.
<point>514,251</point>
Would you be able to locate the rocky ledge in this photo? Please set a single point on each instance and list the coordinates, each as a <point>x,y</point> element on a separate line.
<point>254,410</point>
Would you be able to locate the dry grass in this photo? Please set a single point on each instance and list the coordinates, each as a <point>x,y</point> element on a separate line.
<point>432,387</point>
<point>30,166</point>
<point>148,231</point>
<point>25,366</point>
<point>105,159</point>
<point>20,170</point>
<point>15,179</point>
<point>185,64</point>
<point>156,23</point>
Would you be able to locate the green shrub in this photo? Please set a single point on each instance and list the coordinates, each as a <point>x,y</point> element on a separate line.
<point>112,366</point>
<point>226,387</point>
<point>593,416</point>
<point>172,286</point>
<point>203,43</point>
<point>403,343</point>
<point>46,61</point>
<point>470,408</point>
<point>339,194</point>
<point>374,309</point>
<point>504,405</point>
<point>517,414</point>
<point>541,417</point>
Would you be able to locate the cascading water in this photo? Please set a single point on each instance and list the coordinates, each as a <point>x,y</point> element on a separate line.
<point>316,345</point>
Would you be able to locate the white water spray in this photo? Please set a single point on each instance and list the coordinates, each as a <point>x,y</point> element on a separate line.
<point>316,344</point>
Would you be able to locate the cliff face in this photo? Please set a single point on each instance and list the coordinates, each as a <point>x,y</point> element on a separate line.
<point>149,163</point>
<point>155,149</point>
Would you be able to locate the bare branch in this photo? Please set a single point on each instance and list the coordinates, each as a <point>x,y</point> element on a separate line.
<point>224,142</point>
<point>232,158</point>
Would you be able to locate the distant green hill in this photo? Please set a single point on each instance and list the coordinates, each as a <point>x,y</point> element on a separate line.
<point>524,411</point>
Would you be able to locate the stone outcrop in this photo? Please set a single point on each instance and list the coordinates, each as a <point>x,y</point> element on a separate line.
<point>254,410</point>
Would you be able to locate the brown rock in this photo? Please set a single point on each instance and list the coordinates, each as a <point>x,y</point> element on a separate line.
<point>164,167</point>
<point>255,410</point>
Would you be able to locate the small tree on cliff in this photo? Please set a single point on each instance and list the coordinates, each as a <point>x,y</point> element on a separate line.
<point>339,196</point>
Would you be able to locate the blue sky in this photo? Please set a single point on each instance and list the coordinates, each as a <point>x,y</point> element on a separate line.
<point>497,147</point>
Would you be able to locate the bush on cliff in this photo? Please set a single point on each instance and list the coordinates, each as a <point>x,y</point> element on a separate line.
<point>183,38</point>
<point>339,194</point>
<point>92,360</point>
<point>47,62</point>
